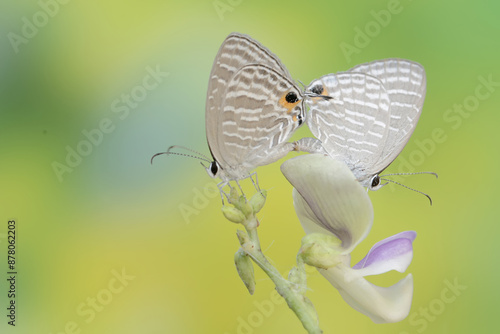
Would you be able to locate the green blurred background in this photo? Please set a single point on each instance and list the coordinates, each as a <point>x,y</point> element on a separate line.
<point>114,212</point>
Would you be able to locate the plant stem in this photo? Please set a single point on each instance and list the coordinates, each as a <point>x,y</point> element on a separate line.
<point>295,300</point>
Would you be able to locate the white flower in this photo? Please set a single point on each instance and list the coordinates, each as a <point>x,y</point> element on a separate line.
<point>330,201</point>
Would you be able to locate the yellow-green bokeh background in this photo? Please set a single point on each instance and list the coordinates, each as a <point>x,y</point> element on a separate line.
<point>116,211</point>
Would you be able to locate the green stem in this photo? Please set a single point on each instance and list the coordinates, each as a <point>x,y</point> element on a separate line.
<point>295,300</point>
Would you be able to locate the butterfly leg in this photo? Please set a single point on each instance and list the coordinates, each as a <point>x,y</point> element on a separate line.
<point>221,186</point>
<point>241,189</point>
<point>256,183</point>
<point>309,145</point>
<point>274,154</point>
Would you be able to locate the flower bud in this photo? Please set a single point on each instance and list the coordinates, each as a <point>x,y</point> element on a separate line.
<point>244,266</point>
<point>234,215</point>
<point>321,250</point>
<point>258,200</point>
<point>328,240</point>
<point>244,206</point>
<point>311,310</point>
<point>233,195</point>
<point>243,238</point>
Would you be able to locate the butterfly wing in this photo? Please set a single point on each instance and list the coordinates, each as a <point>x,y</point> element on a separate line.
<point>261,110</point>
<point>236,51</point>
<point>405,82</point>
<point>352,124</point>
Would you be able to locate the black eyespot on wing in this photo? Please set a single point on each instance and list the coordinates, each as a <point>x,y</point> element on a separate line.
<point>291,97</point>
<point>318,89</point>
<point>375,181</point>
<point>300,119</point>
<point>213,168</point>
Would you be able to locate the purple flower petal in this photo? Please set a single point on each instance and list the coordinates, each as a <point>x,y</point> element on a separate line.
<point>393,253</point>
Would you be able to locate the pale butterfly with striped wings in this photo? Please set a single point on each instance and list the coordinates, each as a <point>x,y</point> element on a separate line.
<point>373,111</point>
<point>253,106</point>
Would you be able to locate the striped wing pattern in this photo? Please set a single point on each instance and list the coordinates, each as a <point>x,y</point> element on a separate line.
<point>353,124</point>
<point>405,82</point>
<point>369,121</point>
<point>236,51</point>
<point>249,118</point>
<point>256,119</point>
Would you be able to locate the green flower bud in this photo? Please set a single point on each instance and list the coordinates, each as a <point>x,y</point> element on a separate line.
<point>321,250</point>
<point>244,206</point>
<point>258,200</point>
<point>311,310</point>
<point>233,195</point>
<point>325,239</point>
<point>244,266</point>
<point>234,215</point>
<point>243,238</point>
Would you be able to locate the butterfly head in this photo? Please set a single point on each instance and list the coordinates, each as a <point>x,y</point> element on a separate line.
<point>213,169</point>
<point>375,183</point>
<point>317,90</point>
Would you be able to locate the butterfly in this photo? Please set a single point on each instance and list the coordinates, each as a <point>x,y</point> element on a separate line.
<point>253,107</point>
<point>373,111</point>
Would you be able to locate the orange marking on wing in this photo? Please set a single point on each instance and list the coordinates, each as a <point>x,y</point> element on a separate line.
<point>294,118</point>
<point>289,106</point>
<point>325,91</point>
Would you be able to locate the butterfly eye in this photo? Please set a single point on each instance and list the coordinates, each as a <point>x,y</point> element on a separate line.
<point>291,97</point>
<point>214,168</point>
<point>375,181</point>
<point>318,89</point>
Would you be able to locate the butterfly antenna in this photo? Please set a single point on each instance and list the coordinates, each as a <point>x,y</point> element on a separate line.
<point>402,185</point>
<point>432,173</point>
<point>302,84</point>
<point>188,149</point>
<point>181,154</point>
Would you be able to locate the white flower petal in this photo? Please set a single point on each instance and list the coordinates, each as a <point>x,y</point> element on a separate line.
<point>308,220</point>
<point>393,253</point>
<point>336,201</point>
<point>382,305</point>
